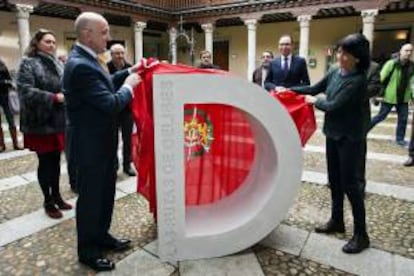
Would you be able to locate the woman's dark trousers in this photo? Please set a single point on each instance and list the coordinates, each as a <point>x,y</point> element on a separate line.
<point>343,157</point>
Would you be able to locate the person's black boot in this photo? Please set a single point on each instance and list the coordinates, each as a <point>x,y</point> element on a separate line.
<point>356,244</point>
<point>332,226</point>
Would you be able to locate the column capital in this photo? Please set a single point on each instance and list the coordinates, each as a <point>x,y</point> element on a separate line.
<point>304,18</point>
<point>368,16</point>
<point>207,27</point>
<point>139,26</point>
<point>250,23</point>
<point>24,10</point>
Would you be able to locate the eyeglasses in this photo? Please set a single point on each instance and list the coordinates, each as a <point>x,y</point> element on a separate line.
<point>285,44</point>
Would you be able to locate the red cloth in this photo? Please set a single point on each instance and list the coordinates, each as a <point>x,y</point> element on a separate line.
<point>219,146</point>
<point>302,113</point>
<point>42,143</point>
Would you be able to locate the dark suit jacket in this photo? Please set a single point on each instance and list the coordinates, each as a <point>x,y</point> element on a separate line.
<point>374,80</point>
<point>257,76</point>
<point>297,75</point>
<point>91,105</point>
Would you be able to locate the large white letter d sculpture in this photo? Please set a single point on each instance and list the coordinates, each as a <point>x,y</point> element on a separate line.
<point>251,212</point>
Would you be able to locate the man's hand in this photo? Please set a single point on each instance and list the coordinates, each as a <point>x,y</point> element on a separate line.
<point>310,99</point>
<point>280,89</point>
<point>133,80</point>
<point>134,68</point>
<point>144,64</point>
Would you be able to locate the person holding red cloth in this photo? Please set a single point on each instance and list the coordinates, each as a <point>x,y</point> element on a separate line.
<point>42,117</point>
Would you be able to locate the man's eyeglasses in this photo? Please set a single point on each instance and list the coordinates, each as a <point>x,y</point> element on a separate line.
<point>285,44</point>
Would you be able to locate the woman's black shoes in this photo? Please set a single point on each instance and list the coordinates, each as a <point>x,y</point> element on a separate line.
<point>331,227</point>
<point>356,244</point>
<point>101,264</point>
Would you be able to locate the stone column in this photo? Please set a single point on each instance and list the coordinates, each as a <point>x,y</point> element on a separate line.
<point>368,20</point>
<point>304,35</point>
<point>173,44</point>
<point>139,39</point>
<point>208,37</point>
<point>251,46</point>
<point>23,26</point>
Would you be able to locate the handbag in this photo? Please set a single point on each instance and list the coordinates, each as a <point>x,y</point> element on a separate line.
<point>14,102</point>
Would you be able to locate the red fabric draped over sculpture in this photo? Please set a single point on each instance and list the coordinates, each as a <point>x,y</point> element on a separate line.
<point>219,145</point>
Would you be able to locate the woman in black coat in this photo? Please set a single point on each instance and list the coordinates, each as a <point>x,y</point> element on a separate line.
<point>346,108</point>
<point>42,118</point>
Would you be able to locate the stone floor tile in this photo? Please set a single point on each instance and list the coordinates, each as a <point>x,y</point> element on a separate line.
<point>275,262</point>
<point>389,220</point>
<point>12,182</point>
<point>287,239</point>
<point>328,250</point>
<point>374,145</point>
<point>32,176</point>
<point>52,251</point>
<point>29,224</point>
<point>242,264</point>
<point>27,198</point>
<point>403,266</point>
<point>386,189</point>
<point>14,154</point>
<point>377,156</point>
<point>141,262</point>
<point>17,165</point>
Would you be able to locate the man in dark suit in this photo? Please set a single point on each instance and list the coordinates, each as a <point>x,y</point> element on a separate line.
<point>259,75</point>
<point>287,70</point>
<point>91,105</point>
<point>125,121</point>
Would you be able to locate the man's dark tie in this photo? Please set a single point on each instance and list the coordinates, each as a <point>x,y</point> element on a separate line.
<point>285,67</point>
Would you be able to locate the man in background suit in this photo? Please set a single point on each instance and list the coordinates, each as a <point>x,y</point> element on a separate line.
<point>92,104</point>
<point>259,75</point>
<point>287,70</point>
<point>125,121</point>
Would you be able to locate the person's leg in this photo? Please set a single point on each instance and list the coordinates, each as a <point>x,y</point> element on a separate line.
<point>402,118</point>
<point>55,185</point>
<point>410,160</point>
<point>109,198</point>
<point>362,182</point>
<point>45,175</point>
<point>336,222</point>
<point>350,153</point>
<point>126,123</point>
<point>2,144</point>
<point>382,114</point>
<point>92,203</point>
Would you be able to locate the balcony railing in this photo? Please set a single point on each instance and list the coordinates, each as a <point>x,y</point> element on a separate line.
<point>185,4</point>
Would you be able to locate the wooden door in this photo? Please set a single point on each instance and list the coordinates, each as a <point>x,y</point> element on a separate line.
<point>221,54</point>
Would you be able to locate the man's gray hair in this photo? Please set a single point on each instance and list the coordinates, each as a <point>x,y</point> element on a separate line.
<point>117,46</point>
